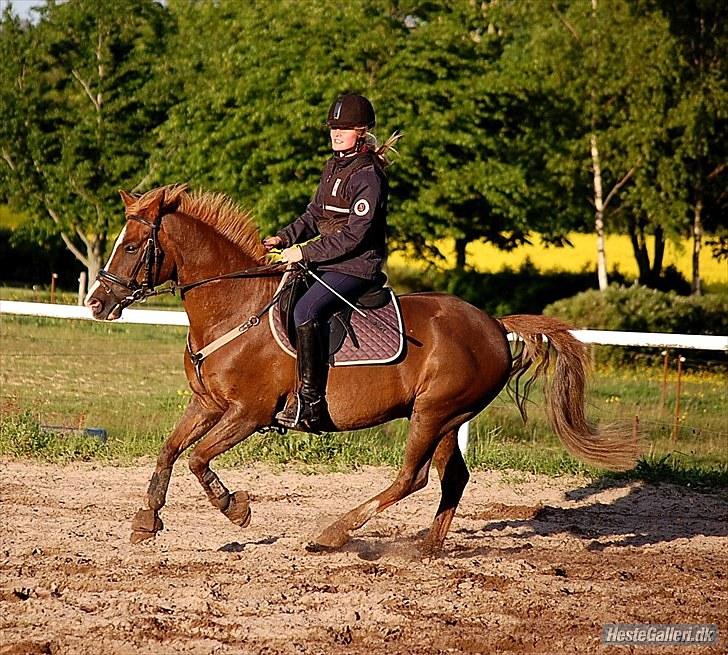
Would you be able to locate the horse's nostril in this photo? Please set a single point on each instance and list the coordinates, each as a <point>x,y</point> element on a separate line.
<point>94,305</point>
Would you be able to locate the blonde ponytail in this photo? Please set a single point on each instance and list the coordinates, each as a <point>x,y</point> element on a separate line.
<point>382,151</point>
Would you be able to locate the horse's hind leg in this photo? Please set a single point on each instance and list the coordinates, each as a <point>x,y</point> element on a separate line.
<point>233,427</point>
<point>454,477</point>
<point>193,424</point>
<point>424,434</point>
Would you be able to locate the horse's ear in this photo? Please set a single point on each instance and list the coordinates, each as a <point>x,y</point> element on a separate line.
<point>127,198</point>
<point>150,204</point>
<point>173,195</point>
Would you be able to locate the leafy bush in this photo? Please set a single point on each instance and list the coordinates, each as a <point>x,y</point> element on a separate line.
<point>639,309</point>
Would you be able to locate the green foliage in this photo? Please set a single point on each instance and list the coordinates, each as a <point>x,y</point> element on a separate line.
<point>674,468</point>
<point>257,80</point>
<point>328,451</point>
<point>471,157</point>
<point>499,102</point>
<point>639,309</point>
<point>79,102</point>
<point>641,94</point>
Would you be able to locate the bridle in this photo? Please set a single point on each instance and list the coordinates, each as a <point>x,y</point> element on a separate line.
<point>151,259</point>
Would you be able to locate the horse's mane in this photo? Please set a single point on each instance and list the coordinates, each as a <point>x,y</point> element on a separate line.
<point>226,217</point>
<point>218,211</point>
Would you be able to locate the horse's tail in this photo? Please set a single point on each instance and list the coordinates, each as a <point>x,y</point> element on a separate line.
<point>611,447</point>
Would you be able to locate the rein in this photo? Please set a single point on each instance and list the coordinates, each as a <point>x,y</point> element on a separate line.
<point>256,271</point>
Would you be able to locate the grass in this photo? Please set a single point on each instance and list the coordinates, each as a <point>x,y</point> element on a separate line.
<point>128,379</point>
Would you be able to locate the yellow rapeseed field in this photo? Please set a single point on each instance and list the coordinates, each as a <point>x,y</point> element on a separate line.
<point>486,258</point>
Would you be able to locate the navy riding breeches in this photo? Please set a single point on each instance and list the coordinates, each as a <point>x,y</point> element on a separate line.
<point>318,303</point>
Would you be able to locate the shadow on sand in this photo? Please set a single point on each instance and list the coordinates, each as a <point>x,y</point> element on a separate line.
<point>644,514</point>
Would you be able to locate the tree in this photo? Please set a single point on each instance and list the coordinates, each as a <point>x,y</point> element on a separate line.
<point>612,62</point>
<point>473,162</point>
<point>698,122</point>
<point>258,79</point>
<point>81,104</point>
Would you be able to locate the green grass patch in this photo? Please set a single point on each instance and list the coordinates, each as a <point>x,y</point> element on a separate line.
<point>129,380</point>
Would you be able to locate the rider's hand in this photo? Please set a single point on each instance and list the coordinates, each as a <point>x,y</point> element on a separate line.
<point>292,255</point>
<point>272,242</point>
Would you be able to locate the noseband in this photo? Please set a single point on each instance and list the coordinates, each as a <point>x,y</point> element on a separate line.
<point>151,260</point>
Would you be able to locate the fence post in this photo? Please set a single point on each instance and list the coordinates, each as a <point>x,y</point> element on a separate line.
<point>54,279</point>
<point>82,287</point>
<point>663,392</point>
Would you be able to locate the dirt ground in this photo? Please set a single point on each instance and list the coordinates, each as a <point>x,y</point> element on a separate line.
<point>532,565</point>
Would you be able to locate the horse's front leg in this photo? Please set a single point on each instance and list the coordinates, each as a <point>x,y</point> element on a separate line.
<point>194,423</point>
<point>234,426</point>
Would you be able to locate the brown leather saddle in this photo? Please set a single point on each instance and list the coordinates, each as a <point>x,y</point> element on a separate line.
<point>352,338</point>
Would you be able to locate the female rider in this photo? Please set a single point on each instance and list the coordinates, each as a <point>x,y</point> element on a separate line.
<point>348,218</point>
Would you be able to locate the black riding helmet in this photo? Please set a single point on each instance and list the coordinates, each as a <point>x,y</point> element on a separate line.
<point>349,111</point>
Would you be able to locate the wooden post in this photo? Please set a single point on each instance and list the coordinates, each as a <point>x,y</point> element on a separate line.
<point>636,427</point>
<point>82,287</point>
<point>54,279</point>
<point>676,424</point>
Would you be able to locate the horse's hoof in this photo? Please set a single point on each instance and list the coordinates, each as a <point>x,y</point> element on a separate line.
<point>332,538</point>
<point>429,550</point>
<point>145,525</point>
<point>238,509</point>
<point>141,535</point>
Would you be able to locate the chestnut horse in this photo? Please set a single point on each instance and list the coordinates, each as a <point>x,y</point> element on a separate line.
<point>456,361</point>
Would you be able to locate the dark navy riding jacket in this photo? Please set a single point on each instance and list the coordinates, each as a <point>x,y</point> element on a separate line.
<point>349,215</point>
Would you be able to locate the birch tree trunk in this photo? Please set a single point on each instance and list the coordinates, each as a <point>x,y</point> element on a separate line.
<point>697,246</point>
<point>599,215</point>
<point>596,166</point>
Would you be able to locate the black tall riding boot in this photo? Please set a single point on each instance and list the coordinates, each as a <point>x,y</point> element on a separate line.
<point>305,408</point>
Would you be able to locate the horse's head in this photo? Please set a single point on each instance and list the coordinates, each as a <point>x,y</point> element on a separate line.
<point>137,263</point>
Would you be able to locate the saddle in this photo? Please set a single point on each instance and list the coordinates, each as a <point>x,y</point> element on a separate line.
<point>377,338</point>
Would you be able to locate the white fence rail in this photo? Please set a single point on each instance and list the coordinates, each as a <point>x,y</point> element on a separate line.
<point>168,317</point>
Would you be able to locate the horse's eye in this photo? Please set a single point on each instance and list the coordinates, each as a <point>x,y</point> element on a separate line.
<point>130,248</point>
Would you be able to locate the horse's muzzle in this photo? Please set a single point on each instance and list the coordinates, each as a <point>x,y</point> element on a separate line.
<point>103,311</point>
